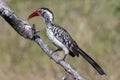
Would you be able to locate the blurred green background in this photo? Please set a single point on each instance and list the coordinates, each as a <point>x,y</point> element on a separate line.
<point>94,24</point>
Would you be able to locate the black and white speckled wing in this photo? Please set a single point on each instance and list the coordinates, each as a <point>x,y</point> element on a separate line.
<point>63,36</point>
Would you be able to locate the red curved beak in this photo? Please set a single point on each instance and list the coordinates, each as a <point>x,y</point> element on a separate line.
<point>35,13</point>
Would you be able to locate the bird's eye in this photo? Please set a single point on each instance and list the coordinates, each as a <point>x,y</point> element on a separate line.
<point>42,13</point>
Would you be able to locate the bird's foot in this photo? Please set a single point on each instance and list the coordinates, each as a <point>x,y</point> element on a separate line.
<point>59,49</point>
<point>62,59</point>
<point>51,55</point>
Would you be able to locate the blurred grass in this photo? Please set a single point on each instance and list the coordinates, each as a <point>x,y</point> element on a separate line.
<point>95,25</point>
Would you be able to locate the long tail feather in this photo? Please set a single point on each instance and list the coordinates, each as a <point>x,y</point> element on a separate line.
<point>92,62</point>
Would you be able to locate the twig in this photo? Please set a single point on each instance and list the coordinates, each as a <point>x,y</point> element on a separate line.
<point>24,29</point>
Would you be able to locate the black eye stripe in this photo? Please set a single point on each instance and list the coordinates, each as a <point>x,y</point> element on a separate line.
<point>42,13</point>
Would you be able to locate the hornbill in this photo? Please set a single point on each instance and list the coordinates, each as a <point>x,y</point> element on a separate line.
<point>62,39</point>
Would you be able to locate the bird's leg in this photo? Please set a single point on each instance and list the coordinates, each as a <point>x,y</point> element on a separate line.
<point>59,49</point>
<point>66,51</point>
<point>64,57</point>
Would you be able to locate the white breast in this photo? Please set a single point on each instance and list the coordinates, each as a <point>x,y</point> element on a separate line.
<point>55,41</point>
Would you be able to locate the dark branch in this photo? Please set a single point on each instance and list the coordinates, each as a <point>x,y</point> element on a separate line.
<point>21,26</point>
<point>25,30</point>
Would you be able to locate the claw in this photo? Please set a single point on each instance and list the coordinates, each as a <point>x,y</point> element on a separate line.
<point>51,55</point>
<point>63,59</point>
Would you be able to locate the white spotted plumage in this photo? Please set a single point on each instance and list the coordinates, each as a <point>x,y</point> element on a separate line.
<point>61,39</point>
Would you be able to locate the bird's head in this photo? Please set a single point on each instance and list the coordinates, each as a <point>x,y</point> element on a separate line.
<point>44,12</point>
